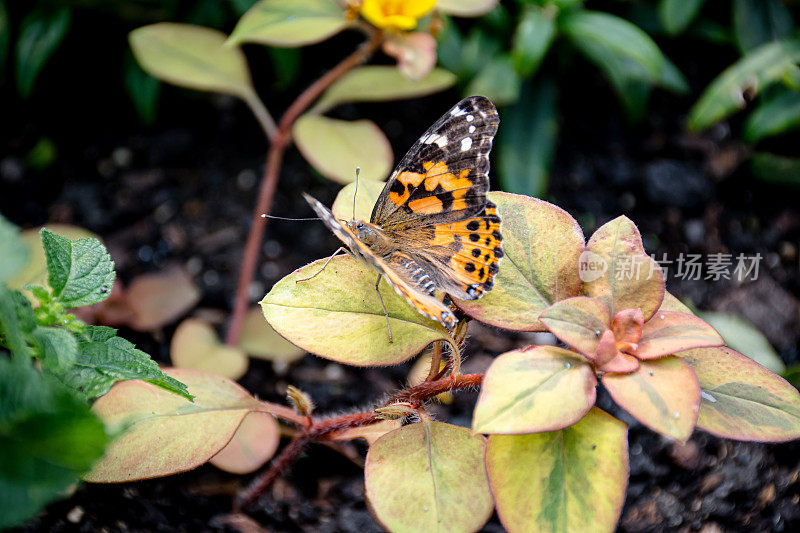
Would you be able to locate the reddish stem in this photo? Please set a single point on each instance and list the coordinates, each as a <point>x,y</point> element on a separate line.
<point>278,144</point>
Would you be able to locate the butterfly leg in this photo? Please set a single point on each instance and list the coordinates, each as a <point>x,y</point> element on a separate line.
<point>341,248</point>
<point>385,313</point>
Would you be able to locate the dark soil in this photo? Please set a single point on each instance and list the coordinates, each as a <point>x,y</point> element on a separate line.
<point>182,192</point>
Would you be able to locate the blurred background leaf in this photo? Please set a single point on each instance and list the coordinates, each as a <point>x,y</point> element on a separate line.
<point>776,114</point>
<point>40,34</point>
<point>676,15</point>
<point>756,22</point>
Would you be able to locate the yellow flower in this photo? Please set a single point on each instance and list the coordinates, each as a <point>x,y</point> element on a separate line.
<point>396,14</point>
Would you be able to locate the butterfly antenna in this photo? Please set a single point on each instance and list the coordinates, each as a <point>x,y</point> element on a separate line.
<point>358,171</point>
<point>264,215</point>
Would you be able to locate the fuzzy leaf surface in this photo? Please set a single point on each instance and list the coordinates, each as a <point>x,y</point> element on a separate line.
<point>80,272</point>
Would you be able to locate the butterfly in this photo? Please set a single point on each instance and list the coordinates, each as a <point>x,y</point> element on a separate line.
<point>433,227</point>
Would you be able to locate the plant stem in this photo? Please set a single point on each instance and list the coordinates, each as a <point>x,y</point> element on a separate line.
<point>278,144</point>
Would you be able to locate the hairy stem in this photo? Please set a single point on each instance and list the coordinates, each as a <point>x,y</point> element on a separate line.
<point>278,144</point>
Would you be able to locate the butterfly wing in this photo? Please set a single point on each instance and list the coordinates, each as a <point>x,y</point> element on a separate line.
<point>407,281</point>
<point>435,207</point>
<point>444,177</point>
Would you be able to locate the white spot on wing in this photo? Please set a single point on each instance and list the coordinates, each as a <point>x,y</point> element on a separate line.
<point>466,144</point>
<point>472,129</point>
<point>457,112</point>
<point>470,118</point>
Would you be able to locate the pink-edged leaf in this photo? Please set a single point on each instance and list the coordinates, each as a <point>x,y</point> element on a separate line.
<point>741,399</point>
<point>621,363</point>
<point>579,322</point>
<point>538,388</point>
<point>627,326</point>
<point>663,394</point>
<point>541,246</point>
<point>253,444</point>
<point>668,332</point>
<point>415,53</point>
<point>617,271</point>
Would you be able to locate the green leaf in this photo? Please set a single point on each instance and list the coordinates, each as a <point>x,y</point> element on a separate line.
<point>193,57</point>
<point>568,480</point>
<point>535,389</point>
<point>614,44</point>
<point>164,433</point>
<point>378,83</point>
<point>777,169</point>
<point>756,22</point>
<point>12,250</point>
<point>663,394</point>
<point>12,324</point>
<point>527,141</point>
<point>542,244</point>
<point>290,23</point>
<point>143,90</point>
<point>310,314</point>
<point>759,69</point>
<point>676,15</point>
<point>497,80</point>
<point>40,35</point>
<point>535,32</point>
<point>103,359</point>
<point>742,336</point>
<point>336,147</point>
<point>5,39</point>
<point>428,476</point>
<point>57,347</point>
<point>80,271</point>
<point>774,116</point>
<point>48,437</point>
<point>742,400</point>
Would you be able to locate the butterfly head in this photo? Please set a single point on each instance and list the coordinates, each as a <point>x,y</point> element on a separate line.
<point>366,232</point>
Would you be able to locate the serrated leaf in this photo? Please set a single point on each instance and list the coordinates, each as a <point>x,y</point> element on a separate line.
<point>527,141</point>
<point>196,345</point>
<point>428,476</point>
<point>310,314</point>
<point>40,34</point>
<point>756,22</point>
<point>676,15</point>
<point>57,347</point>
<point>80,272</point>
<point>466,8</point>
<point>164,433</point>
<point>103,359</point>
<point>253,444</point>
<point>617,271</point>
<point>48,437</point>
<point>742,400</point>
<point>193,57</point>
<point>578,322</point>
<point>289,23</point>
<point>538,388</point>
<point>760,68</point>
<point>774,116</point>
<point>378,83</point>
<point>663,394</point>
<point>568,480</point>
<point>541,246</point>
<point>12,249</point>
<point>533,36</point>
<point>259,340</point>
<point>336,147</point>
<point>11,326</point>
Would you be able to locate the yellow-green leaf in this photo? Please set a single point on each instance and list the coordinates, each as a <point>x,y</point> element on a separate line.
<point>568,480</point>
<point>289,23</point>
<point>616,270</point>
<point>367,194</point>
<point>336,147</point>
<point>741,399</point>
<point>428,476</point>
<point>259,340</point>
<point>165,433</point>
<point>466,8</point>
<point>663,394</point>
<point>669,332</point>
<point>159,298</point>
<point>254,443</point>
<point>541,246</point>
<point>378,83</point>
<point>579,322</point>
<point>538,388</point>
<point>195,345</point>
<point>192,56</point>
<point>337,315</point>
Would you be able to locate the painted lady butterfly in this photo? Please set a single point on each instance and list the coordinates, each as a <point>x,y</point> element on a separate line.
<point>433,227</point>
